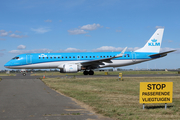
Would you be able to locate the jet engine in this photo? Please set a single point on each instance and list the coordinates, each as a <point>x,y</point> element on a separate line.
<point>70,68</point>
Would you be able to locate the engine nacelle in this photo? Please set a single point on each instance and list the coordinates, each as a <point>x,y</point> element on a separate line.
<point>70,68</point>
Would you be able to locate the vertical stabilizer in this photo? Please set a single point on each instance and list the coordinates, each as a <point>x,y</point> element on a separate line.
<point>154,43</point>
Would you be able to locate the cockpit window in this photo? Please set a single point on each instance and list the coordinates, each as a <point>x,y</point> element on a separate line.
<point>15,58</point>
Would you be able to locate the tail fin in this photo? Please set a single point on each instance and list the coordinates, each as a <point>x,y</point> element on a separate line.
<point>154,43</point>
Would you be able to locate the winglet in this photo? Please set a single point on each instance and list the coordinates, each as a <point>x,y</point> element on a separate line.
<point>121,54</point>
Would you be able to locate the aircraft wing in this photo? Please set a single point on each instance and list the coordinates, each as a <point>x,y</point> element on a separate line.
<point>99,61</point>
<point>161,54</point>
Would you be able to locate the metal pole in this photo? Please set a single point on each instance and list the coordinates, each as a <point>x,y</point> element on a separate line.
<point>165,105</point>
<point>143,106</point>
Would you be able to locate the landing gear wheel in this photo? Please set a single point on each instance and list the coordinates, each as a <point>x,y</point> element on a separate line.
<point>24,74</point>
<point>91,72</point>
<point>85,72</point>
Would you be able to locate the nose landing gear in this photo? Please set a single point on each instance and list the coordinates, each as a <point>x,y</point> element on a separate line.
<point>24,74</point>
<point>88,72</point>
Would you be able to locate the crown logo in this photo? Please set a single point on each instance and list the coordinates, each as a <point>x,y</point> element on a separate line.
<point>154,40</point>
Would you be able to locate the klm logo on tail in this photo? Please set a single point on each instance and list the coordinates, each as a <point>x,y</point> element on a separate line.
<point>154,43</point>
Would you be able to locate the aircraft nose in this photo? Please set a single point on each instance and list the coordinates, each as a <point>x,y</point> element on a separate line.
<point>7,65</point>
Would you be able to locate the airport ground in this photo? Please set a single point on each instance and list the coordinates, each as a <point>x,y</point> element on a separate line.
<point>104,95</point>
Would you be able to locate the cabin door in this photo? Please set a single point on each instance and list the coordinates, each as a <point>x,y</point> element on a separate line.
<point>133,56</point>
<point>28,58</point>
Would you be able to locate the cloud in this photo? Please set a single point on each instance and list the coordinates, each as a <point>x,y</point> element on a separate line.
<point>77,31</point>
<point>3,33</point>
<point>47,50</point>
<point>2,39</point>
<point>2,50</point>
<point>48,21</point>
<point>41,30</point>
<point>21,47</point>
<point>60,20</point>
<point>72,50</point>
<point>88,35</point>
<point>90,26</point>
<point>169,41</point>
<point>1,54</point>
<point>18,36</point>
<point>118,30</point>
<point>82,29</point>
<point>107,27</point>
<point>111,48</point>
<point>159,27</point>
<point>16,31</point>
<point>30,51</point>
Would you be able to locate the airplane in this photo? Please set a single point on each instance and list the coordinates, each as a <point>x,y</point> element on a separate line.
<point>87,61</point>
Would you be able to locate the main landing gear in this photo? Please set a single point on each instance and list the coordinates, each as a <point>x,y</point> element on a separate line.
<point>88,72</point>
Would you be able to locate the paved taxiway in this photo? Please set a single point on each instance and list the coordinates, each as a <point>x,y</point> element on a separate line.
<point>28,98</point>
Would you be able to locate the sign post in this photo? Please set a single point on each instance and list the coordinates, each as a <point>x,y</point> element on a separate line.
<point>156,92</point>
<point>120,77</point>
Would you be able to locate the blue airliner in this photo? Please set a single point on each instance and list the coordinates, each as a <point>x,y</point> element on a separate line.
<point>87,61</point>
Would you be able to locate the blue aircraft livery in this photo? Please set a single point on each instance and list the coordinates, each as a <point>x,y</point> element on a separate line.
<point>88,61</point>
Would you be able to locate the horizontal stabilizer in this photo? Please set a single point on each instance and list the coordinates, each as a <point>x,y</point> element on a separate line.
<point>161,54</point>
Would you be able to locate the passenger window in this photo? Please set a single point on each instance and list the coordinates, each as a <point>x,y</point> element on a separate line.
<point>124,55</point>
<point>78,56</point>
<point>73,56</point>
<point>43,57</point>
<point>62,57</point>
<point>107,56</point>
<point>93,56</point>
<point>110,56</point>
<point>58,57</point>
<point>90,56</point>
<point>66,57</point>
<point>54,57</point>
<point>97,56</point>
<point>51,57</point>
<point>82,56</point>
<point>104,56</point>
<point>101,56</point>
<point>47,57</point>
<point>39,57</point>
<point>70,57</point>
<point>86,56</point>
<point>128,55</point>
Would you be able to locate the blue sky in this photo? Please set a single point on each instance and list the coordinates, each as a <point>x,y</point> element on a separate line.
<point>32,26</point>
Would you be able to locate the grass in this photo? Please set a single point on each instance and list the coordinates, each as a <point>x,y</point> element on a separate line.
<point>109,73</point>
<point>118,99</point>
<point>4,74</point>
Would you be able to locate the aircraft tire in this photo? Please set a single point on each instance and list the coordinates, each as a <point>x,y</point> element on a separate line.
<point>85,72</point>
<point>24,74</point>
<point>91,72</point>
